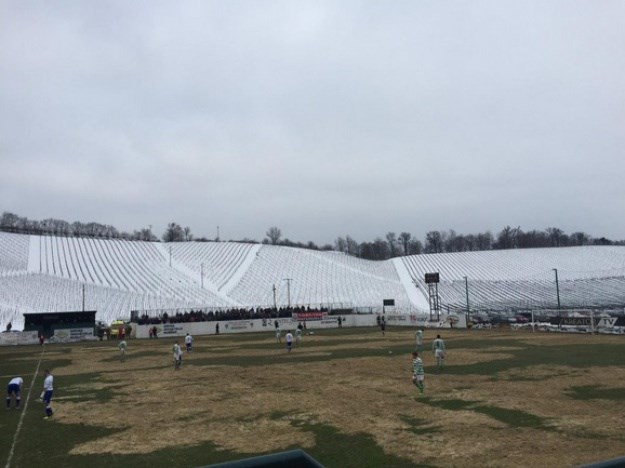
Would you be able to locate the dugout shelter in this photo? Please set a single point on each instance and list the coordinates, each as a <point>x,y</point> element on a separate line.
<point>45,323</point>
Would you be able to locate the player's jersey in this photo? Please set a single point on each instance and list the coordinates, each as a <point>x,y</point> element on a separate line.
<point>48,383</point>
<point>438,343</point>
<point>188,339</point>
<point>16,381</point>
<point>298,332</point>
<point>122,346</point>
<point>419,337</point>
<point>177,351</point>
<point>417,366</point>
<point>289,337</point>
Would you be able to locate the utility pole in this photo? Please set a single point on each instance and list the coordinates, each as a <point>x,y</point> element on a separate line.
<point>466,288</point>
<point>83,297</point>
<point>557,288</point>
<point>288,290</point>
<point>275,303</point>
<point>217,239</point>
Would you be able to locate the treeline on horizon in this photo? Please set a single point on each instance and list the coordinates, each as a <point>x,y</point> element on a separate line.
<point>392,245</point>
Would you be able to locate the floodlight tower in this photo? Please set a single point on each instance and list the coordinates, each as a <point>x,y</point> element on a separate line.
<point>432,280</point>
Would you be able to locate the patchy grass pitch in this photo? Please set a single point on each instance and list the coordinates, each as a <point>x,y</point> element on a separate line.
<point>345,396</point>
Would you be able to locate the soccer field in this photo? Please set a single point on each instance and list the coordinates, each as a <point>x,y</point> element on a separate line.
<point>504,398</point>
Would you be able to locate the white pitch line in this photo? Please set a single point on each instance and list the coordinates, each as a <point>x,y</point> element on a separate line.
<point>19,424</point>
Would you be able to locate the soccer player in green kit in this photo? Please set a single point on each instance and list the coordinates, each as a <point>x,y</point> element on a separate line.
<point>418,372</point>
<point>438,346</point>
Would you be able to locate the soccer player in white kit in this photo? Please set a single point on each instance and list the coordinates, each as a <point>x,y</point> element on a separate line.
<point>122,350</point>
<point>46,395</point>
<point>188,341</point>
<point>289,340</point>
<point>13,391</point>
<point>418,336</point>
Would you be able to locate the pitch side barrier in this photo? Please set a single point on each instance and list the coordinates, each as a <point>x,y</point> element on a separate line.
<point>311,321</point>
<point>19,338</point>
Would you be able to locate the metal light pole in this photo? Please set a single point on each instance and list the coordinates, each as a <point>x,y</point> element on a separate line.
<point>466,288</point>
<point>288,290</point>
<point>557,287</point>
<point>275,302</point>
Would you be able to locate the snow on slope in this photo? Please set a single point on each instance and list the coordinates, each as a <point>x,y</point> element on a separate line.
<point>40,273</point>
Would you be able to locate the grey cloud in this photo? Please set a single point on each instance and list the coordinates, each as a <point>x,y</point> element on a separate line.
<point>324,118</point>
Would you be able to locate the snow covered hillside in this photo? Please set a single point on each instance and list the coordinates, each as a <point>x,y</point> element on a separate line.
<point>49,273</point>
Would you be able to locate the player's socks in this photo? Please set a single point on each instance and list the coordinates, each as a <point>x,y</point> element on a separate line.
<point>8,402</point>
<point>18,400</point>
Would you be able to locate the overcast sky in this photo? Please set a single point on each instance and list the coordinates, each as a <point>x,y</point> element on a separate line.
<point>324,119</point>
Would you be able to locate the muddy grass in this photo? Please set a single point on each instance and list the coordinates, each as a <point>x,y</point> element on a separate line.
<point>522,415</point>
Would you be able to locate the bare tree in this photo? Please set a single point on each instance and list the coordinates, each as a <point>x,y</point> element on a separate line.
<point>415,247</point>
<point>433,242</point>
<point>381,249</point>
<point>404,239</point>
<point>391,238</point>
<point>556,237</point>
<point>352,246</point>
<point>484,241</point>
<point>173,233</point>
<point>187,234</point>
<point>340,244</point>
<point>9,220</point>
<point>580,238</point>
<point>508,238</point>
<point>274,234</point>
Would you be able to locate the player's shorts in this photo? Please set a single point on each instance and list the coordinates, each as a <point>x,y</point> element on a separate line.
<point>439,354</point>
<point>47,396</point>
<point>289,344</point>
<point>188,346</point>
<point>13,388</point>
<point>416,379</point>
